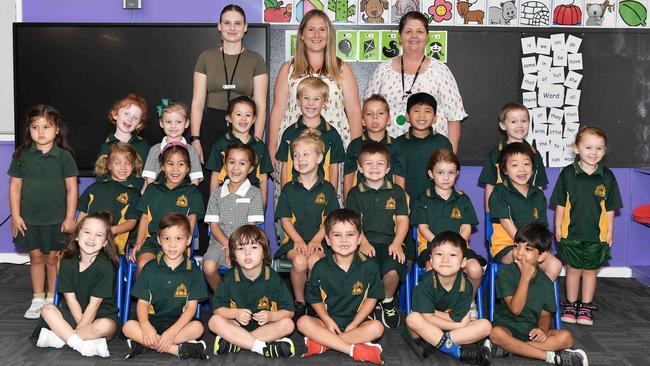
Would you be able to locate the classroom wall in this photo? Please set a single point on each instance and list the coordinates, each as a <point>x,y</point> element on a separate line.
<point>7,17</point>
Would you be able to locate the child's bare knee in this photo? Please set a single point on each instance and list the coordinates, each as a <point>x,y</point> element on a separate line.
<point>52,259</point>
<point>312,260</point>
<point>129,328</point>
<point>414,321</point>
<point>376,329</point>
<point>498,335</point>
<point>304,322</point>
<point>48,310</point>
<point>474,269</point>
<point>565,338</point>
<point>286,325</point>
<point>485,326</point>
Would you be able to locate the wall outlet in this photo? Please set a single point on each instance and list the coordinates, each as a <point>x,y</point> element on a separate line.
<point>131,4</point>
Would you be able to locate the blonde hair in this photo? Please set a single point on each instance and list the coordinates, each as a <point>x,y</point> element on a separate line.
<point>332,64</point>
<point>174,106</point>
<point>313,83</point>
<point>101,165</point>
<point>310,136</point>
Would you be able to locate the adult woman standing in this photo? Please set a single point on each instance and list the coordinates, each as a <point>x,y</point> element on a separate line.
<point>412,73</point>
<point>222,74</point>
<point>316,56</point>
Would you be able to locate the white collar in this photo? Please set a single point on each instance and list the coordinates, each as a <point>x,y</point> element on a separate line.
<point>163,143</point>
<point>241,191</point>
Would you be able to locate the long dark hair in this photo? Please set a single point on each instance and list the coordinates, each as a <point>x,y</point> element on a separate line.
<point>51,115</point>
<point>110,250</point>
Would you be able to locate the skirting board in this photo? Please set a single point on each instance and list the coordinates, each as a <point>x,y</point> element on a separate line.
<point>610,272</point>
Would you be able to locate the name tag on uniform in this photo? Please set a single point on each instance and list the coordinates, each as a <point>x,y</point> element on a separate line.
<point>228,86</point>
<point>243,200</point>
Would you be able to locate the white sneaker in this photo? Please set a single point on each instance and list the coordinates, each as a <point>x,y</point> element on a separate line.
<point>473,313</point>
<point>34,311</point>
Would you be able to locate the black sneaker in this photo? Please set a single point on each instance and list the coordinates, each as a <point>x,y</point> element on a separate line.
<point>389,314</point>
<point>421,347</point>
<point>571,357</point>
<point>222,346</point>
<point>475,354</point>
<point>283,347</point>
<point>300,309</point>
<point>495,351</point>
<point>135,349</point>
<point>192,349</point>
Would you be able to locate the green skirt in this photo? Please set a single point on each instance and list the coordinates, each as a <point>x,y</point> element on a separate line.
<point>584,254</point>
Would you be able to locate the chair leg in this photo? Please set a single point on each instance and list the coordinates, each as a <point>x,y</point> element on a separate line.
<point>492,270</point>
<point>479,300</point>
<point>558,321</point>
<point>119,284</point>
<point>409,288</point>
<point>130,277</point>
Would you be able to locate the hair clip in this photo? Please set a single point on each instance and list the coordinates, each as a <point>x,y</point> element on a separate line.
<point>172,144</point>
<point>164,103</point>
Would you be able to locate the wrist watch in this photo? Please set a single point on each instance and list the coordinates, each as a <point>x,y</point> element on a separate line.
<point>194,138</point>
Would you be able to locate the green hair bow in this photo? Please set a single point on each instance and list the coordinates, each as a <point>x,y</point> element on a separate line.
<point>164,103</point>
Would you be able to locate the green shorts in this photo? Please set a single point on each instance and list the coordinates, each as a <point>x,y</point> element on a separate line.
<point>588,255</point>
<point>386,263</point>
<point>499,257</point>
<point>150,245</point>
<point>44,237</point>
<point>67,316</point>
<point>162,324</point>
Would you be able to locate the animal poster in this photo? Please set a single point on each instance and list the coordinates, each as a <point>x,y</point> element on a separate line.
<point>535,13</point>
<point>599,14</point>
<point>374,12</point>
<point>290,37</point>
<point>347,45</point>
<point>504,13</point>
<point>632,14</point>
<point>390,45</point>
<point>437,45</point>
<point>470,12</point>
<point>400,7</point>
<point>369,46</point>
<point>567,13</point>
<point>341,11</point>
<point>277,11</point>
<point>439,12</point>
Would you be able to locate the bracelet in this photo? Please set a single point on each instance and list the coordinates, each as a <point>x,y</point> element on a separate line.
<point>194,138</point>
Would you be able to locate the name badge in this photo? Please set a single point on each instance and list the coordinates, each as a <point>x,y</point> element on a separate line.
<point>228,86</point>
<point>243,200</point>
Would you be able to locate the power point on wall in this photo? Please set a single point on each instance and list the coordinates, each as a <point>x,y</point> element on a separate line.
<point>131,4</point>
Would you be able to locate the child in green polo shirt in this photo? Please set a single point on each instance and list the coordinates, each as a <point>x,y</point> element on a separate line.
<point>169,290</point>
<point>253,307</point>
<point>343,290</point>
<point>514,203</point>
<point>86,278</point>
<point>312,94</point>
<point>586,195</point>
<point>522,318</point>
<point>440,316</point>
<point>302,207</point>
<point>115,192</point>
<point>514,122</point>
<point>374,117</point>
<point>129,115</point>
<point>42,199</point>
<point>384,212</point>
<point>171,193</point>
<point>241,116</point>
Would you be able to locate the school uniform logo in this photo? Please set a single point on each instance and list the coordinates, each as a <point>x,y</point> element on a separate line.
<point>232,304</point>
<point>391,204</point>
<point>181,201</point>
<point>535,213</point>
<point>357,289</point>
<point>151,310</point>
<point>600,191</point>
<point>263,303</point>
<point>320,199</point>
<point>123,198</point>
<point>455,213</point>
<point>181,291</point>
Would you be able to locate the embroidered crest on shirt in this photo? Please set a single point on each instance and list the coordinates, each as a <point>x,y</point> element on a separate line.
<point>600,191</point>
<point>181,291</point>
<point>391,204</point>
<point>455,213</point>
<point>233,305</point>
<point>123,198</point>
<point>535,213</point>
<point>320,199</point>
<point>181,201</point>
<point>357,289</point>
<point>263,303</point>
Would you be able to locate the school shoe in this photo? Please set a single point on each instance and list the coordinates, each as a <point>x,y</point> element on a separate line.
<point>135,349</point>
<point>585,316</point>
<point>389,313</point>
<point>569,312</point>
<point>313,348</point>
<point>300,309</point>
<point>571,357</point>
<point>192,349</point>
<point>495,351</point>
<point>283,347</point>
<point>475,354</point>
<point>370,352</point>
<point>34,311</point>
<point>421,347</point>
<point>222,346</point>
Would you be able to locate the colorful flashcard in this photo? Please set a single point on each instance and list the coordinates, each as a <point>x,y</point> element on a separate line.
<point>373,12</point>
<point>470,12</point>
<point>544,62</point>
<point>529,82</point>
<point>567,13</point>
<point>277,11</point>
<point>575,61</point>
<point>551,96</point>
<point>560,57</point>
<point>558,42</point>
<point>555,116</point>
<point>535,13</point>
<point>572,80</point>
<point>390,44</point>
<point>439,12</point>
<point>573,44</point>
<point>543,46</point>
<point>632,14</point>
<point>571,114</point>
<point>503,13</point>
<point>347,44</point>
<point>437,45</point>
<point>600,15</point>
<point>528,64</point>
<point>290,38</point>
<point>341,11</point>
<point>369,46</point>
<point>528,45</point>
<point>572,97</point>
<point>529,99</point>
<point>400,7</point>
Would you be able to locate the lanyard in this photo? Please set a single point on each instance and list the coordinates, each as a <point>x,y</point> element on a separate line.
<point>417,73</point>
<point>229,84</point>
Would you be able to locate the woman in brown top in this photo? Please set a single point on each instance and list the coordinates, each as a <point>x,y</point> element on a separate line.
<point>222,74</point>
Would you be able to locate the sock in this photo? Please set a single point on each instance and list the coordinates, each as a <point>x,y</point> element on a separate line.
<point>447,346</point>
<point>258,347</point>
<point>48,338</point>
<point>387,300</point>
<point>550,357</point>
<point>86,348</point>
<point>50,295</point>
<point>352,350</point>
<point>40,295</point>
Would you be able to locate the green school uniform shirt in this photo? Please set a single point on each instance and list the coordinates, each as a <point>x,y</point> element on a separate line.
<point>216,157</point>
<point>98,280</point>
<point>352,157</point>
<point>343,293</point>
<point>168,290</point>
<point>541,296</point>
<point>378,209</point>
<point>140,145</point>
<point>491,172</point>
<point>430,296</point>
<point>266,292</point>
<point>334,151</point>
<point>43,194</point>
<point>586,200</point>
<point>416,153</point>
